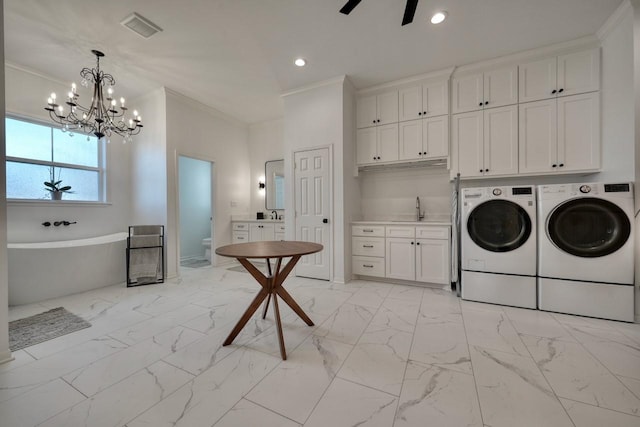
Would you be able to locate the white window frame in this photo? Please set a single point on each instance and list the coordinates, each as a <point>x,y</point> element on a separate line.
<point>101,168</point>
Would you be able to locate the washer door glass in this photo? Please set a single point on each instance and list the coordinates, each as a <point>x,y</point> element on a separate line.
<point>588,227</point>
<point>499,226</point>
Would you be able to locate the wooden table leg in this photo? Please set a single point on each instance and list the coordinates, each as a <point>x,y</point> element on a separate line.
<point>246,316</point>
<point>293,304</point>
<point>266,306</point>
<point>276,313</point>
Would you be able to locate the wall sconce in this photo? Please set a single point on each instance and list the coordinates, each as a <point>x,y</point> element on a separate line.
<point>260,185</point>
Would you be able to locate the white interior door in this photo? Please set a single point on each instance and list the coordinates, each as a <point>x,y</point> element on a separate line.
<point>312,199</point>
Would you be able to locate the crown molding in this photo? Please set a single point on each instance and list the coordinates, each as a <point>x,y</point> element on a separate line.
<point>614,20</point>
<point>204,107</point>
<point>446,72</point>
<point>329,82</point>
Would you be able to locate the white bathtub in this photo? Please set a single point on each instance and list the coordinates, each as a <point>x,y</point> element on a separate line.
<point>40,271</point>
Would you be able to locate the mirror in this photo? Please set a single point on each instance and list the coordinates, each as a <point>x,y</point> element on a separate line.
<point>274,176</point>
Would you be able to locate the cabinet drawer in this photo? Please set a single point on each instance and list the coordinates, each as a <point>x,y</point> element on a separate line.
<point>368,230</point>
<point>401,231</point>
<point>240,226</point>
<point>369,246</point>
<point>279,228</point>
<point>279,236</point>
<point>440,233</point>
<point>240,236</point>
<point>368,266</point>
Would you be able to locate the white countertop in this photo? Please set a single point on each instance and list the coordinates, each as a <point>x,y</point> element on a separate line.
<point>275,221</point>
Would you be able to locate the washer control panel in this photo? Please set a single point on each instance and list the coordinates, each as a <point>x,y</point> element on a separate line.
<point>584,189</point>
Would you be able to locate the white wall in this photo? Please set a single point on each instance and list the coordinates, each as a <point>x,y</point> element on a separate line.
<point>195,205</point>
<point>313,118</point>
<point>636,95</point>
<point>266,142</point>
<point>25,97</point>
<point>198,131</point>
<point>5,353</point>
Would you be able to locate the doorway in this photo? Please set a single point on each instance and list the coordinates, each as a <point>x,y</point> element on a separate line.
<point>313,198</point>
<point>195,179</point>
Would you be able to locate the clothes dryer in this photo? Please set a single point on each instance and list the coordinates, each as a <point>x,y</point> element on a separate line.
<point>585,250</point>
<point>498,247</point>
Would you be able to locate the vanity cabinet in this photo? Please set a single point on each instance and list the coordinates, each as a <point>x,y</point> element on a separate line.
<point>424,139</point>
<point>256,231</point>
<point>493,88</point>
<point>487,142</point>
<point>377,110</point>
<point>279,232</point>
<point>402,252</point>
<point>377,144</point>
<point>425,100</point>
<point>560,135</point>
<point>557,76</point>
<point>240,232</point>
<point>261,232</point>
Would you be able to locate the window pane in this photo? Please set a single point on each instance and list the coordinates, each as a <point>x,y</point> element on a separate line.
<point>84,184</point>
<point>28,140</point>
<point>25,181</point>
<point>75,149</point>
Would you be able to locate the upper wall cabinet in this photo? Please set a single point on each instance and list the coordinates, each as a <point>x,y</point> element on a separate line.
<point>424,139</point>
<point>563,75</point>
<point>377,110</point>
<point>493,88</point>
<point>426,100</point>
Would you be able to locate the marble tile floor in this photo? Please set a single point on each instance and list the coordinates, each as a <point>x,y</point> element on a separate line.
<point>379,355</point>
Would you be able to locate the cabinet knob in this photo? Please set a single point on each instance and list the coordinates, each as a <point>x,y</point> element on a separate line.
<point>378,120</point>
<point>419,113</point>
<point>412,243</point>
<point>486,103</point>
<point>418,243</point>
<point>561,165</point>
<point>424,113</point>
<point>378,157</point>
<point>374,121</point>
<point>486,170</point>
<point>560,90</point>
<point>480,105</point>
<point>481,170</point>
<point>553,91</point>
<point>553,166</point>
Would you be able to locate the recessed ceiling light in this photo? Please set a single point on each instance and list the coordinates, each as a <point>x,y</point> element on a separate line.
<point>438,17</point>
<point>300,62</point>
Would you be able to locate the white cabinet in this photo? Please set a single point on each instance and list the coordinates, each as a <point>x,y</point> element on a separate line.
<point>377,144</point>
<point>367,244</point>
<point>493,88</point>
<point>261,232</point>
<point>487,142</point>
<point>564,75</point>
<point>279,232</point>
<point>377,110</point>
<point>424,139</point>
<point>560,135</point>
<point>425,100</point>
<point>418,254</point>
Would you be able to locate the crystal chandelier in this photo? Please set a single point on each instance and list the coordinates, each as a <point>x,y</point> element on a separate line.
<point>103,116</point>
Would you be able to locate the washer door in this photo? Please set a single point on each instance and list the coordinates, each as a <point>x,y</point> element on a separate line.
<point>499,226</point>
<point>588,227</point>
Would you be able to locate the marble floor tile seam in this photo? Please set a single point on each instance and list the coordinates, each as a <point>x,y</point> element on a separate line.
<point>473,374</point>
<point>260,405</point>
<point>601,407</point>
<point>352,381</point>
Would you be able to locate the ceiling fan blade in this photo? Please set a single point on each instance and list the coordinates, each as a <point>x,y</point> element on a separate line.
<point>347,8</point>
<point>409,11</point>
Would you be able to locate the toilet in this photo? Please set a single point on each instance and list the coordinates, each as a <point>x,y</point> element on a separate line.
<point>207,248</point>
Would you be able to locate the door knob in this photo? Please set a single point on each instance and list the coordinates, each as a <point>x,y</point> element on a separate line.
<point>325,221</point>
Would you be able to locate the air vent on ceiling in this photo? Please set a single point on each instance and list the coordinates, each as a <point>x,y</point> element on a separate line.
<point>140,25</point>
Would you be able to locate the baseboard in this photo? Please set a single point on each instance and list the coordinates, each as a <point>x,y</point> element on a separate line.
<point>5,357</point>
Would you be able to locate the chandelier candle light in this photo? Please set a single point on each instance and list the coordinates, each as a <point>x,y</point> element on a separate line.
<point>103,117</point>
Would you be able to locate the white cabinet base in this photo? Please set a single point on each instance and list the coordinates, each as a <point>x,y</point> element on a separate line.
<point>504,289</point>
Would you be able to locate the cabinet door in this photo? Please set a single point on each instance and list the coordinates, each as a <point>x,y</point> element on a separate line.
<point>255,233</point>
<point>410,140</point>
<point>410,100</point>
<point>400,258</point>
<point>537,142</point>
<point>500,87</point>
<point>579,132</point>
<point>268,232</point>
<point>467,93</point>
<point>435,137</point>
<point>537,80</point>
<point>387,142</point>
<point>501,140</point>
<point>366,112</point>
<point>579,72</point>
<point>366,150</point>
<point>468,138</point>
<point>435,99</point>
<point>432,261</point>
<point>387,107</point>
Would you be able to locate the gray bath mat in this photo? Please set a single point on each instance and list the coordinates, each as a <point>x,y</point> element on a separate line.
<point>195,263</point>
<point>43,327</point>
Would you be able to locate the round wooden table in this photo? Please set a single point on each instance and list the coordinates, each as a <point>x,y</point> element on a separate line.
<point>272,282</point>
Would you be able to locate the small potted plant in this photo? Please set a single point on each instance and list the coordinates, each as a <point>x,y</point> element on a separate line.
<point>55,187</point>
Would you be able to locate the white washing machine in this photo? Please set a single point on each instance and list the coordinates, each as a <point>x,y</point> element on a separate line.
<point>498,246</point>
<point>585,249</point>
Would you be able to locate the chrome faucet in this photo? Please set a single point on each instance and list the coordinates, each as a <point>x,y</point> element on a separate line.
<point>419,215</point>
<point>274,214</point>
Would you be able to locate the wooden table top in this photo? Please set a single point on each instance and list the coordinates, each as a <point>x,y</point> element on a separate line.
<point>269,249</point>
